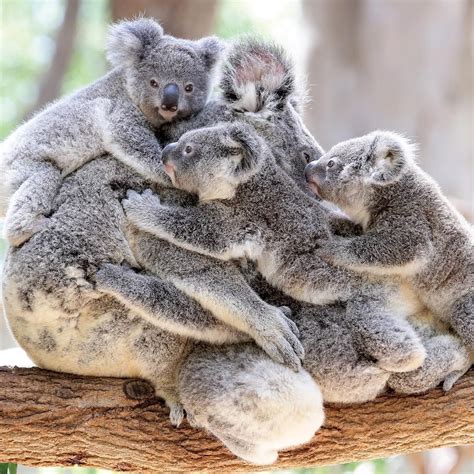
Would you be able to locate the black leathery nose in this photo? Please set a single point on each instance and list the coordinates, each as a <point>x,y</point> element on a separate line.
<point>170,97</point>
<point>309,170</point>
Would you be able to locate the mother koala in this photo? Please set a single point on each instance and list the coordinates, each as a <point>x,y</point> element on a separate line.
<point>149,324</point>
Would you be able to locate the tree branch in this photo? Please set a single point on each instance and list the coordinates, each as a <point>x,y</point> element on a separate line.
<point>53,419</point>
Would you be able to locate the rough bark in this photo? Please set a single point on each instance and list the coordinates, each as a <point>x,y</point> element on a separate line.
<point>182,18</point>
<point>52,419</point>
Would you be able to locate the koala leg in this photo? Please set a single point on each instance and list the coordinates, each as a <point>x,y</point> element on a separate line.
<point>462,319</point>
<point>163,305</point>
<point>255,406</point>
<point>384,336</point>
<point>332,358</point>
<point>31,202</point>
<point>446,361</point>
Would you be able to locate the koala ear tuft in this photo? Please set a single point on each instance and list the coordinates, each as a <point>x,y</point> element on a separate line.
<point>246,138</point>
<point>257,75</point>
<point>389,155</point>
<point>128,40</point>
<point>210,50</point>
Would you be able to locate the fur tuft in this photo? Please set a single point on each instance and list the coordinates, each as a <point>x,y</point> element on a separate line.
<point>128,40</point>
<point>390,154</point>
<point>257,76</point>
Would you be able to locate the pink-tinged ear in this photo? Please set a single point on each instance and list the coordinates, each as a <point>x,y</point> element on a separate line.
<point>128,40</point>
<point>390,155</point>
<point>257,75</point>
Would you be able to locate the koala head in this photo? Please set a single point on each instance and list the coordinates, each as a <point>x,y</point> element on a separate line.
<point>350,170</point>
<point>258,82</point>
<point>212,162</point>
<point>166,77</point>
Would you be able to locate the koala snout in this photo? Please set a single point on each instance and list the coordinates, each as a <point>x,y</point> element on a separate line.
<point>166,153</point>
<point>170,98</point>
<point>309,171</point>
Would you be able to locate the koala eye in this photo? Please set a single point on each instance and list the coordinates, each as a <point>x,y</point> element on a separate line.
<point>307,156</point>
<point>330,163</point>
<point>153,83</point>
<point>188,87</point>
<point>188,149</point>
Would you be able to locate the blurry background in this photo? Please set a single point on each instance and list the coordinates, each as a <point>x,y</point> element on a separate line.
<point>405,65</point>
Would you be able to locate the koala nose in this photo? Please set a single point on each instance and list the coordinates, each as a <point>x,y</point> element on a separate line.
<point>309,170</point>
<point>170,97</point>
<point>167,150</point>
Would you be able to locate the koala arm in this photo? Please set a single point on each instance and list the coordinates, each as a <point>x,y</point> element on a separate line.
<point>132,141</point>
<point>163,305</point>
<point>392,247</point>
<point>210,228</point>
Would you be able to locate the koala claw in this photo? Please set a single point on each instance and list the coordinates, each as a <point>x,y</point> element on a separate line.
<point>192,420</point>
<point>18,231</point>
<point>282,343</point>
<point>176,414</point>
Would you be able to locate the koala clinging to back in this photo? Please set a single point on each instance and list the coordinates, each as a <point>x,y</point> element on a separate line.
<point>156,79</point>
<point>249,207</point>
<point>410,228</point>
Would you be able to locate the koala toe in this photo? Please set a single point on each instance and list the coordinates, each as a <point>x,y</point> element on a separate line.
<point>176,414</point>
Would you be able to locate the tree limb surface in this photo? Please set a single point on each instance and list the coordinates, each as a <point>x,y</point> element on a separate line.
<point>53,419</point>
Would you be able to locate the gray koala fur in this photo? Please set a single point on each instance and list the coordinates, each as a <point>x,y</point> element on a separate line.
<point>250,208</point>
<point>343,371</point>
<point>410,230</point>
<point>118,114</point>
<point>118,322</point>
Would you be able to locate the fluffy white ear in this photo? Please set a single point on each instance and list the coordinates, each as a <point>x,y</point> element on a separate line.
<point>390,154</point>
<point>257,76</point>
<point>210,50</point>
<point>128,40</point>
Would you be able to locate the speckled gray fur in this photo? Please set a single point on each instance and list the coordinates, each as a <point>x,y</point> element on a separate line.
<point>96,334</point>
<point>410,229</point>
<point>118,114</point>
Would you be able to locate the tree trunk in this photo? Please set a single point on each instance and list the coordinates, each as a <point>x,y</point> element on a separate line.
<point>190,19</point>
<point>53,419</point>
<point>50,87</point>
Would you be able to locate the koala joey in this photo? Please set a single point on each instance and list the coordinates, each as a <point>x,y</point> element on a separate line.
<point>410,229</point>
<point>156,79</point>
<point>250,208</point>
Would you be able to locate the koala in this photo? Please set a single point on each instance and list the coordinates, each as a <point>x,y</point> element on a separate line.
<point>90,294</point>
<point>156,79</point>
<point>250,208</point>
<point>410,230</point>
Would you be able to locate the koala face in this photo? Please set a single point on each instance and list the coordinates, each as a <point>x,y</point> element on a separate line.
<point>167,78</point>
<point>212,162</point>
<point>348,172</point>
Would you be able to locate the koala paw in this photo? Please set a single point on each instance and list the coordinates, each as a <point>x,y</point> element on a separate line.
<point>176,413</point>
<point>21,228</point>
<point>192,420</point>
<point>404,360</point>
<point>278,337</point>
<point>139,207</point>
